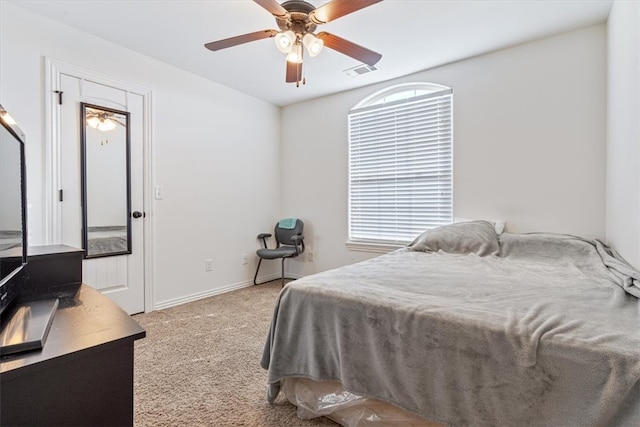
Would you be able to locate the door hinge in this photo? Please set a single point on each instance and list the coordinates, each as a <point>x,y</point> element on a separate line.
<point>59,92</point>
<point>60,195</point>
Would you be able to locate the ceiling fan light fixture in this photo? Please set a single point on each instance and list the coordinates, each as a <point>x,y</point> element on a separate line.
<point>93,121</point>
<point>106,125</point>
<point>295,56</point>
<point>285,41</point>
<point>313,44</point>
<point>102,122</point>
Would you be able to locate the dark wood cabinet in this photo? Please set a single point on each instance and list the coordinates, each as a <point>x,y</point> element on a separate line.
<point>83,376</point>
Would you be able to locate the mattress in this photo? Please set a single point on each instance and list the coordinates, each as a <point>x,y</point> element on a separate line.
<point>329,399</point>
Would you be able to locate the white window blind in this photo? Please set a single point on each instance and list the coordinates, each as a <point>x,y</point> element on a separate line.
<point>400,168</point>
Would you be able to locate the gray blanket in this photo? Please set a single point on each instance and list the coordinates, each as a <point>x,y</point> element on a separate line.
<point>544,333</point>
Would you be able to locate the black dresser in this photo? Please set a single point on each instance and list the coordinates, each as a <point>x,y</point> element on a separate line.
<point>83,376</point>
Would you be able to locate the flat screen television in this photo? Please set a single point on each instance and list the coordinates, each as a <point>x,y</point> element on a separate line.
<point>13,212</point>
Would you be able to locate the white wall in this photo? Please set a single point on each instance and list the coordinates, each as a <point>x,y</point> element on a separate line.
<point>623,130</point>
<point>529,144</point>
<point>221,177</point>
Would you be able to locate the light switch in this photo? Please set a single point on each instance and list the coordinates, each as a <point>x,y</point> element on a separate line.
<point>159,192</point>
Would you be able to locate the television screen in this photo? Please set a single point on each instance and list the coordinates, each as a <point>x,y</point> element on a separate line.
<point>12,208</point>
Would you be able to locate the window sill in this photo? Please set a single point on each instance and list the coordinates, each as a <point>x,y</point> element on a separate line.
<point>381,248</point>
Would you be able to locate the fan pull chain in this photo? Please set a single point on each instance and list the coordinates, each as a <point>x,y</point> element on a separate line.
<point>304,78</point>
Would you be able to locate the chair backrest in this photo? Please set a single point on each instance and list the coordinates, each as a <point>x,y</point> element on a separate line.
<point>283,235</point>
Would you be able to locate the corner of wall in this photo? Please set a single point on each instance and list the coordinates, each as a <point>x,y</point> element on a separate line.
<point>623,130</point>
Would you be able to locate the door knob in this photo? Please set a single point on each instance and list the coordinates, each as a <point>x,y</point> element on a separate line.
<point>137,214</point>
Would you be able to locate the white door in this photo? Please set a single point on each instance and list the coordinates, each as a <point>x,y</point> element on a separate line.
<point>120,277</point>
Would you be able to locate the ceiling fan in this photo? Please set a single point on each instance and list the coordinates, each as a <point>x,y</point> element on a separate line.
<point>102,120</point>
<point>297,21</point>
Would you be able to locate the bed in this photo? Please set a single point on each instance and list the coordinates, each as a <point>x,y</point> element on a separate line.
<point>107,240</point>
<point>10,239</point>
<point>465,327</point>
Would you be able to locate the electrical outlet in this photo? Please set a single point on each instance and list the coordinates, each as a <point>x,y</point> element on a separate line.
<point>310,256</point>
<point>245,259</point>
<point>208,265</point>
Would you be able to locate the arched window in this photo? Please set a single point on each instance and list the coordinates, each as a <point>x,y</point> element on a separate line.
<point>400,163</point>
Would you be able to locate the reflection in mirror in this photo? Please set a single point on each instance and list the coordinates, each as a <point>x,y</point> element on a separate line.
<point>105,181</point>
<point>10,196</point>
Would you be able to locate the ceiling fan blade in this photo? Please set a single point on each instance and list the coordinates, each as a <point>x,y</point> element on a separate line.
<point>338,8</point>
<point>245,38</point>
<point>348,48</point>
<point>273,7</point>
<point>294,72</point>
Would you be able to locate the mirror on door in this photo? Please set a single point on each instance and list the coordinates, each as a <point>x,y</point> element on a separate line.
<point>106,229</point>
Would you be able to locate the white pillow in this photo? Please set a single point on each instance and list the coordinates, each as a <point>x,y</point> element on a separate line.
<point>499,225</point>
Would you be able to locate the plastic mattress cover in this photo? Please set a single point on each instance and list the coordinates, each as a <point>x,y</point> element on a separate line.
<point>329,399</point>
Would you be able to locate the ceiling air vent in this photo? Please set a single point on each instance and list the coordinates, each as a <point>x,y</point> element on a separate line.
<point>360,70</point>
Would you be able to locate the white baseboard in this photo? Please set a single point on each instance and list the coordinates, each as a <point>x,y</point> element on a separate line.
<point>200,295</point>
<point>228,288</point>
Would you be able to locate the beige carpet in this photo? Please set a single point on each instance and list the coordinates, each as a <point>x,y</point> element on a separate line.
<point>199,364</point>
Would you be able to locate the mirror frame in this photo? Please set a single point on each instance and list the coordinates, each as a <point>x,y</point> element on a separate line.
<point>83,154</point>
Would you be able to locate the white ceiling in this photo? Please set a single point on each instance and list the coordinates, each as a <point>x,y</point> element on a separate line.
<point>411,35</point>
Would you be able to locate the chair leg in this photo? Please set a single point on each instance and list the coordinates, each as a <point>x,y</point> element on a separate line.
<point>283,272</point>
<point>255,277</point>
<point>257,269</point>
